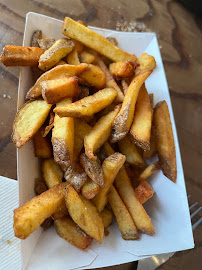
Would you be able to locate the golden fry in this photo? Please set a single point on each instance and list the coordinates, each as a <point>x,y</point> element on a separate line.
<point>107,217</point>
<point>73,58</point>
<point>46,43</point>
<point>149,171</point>
<point>90,189</point>
<point>143,192</point>
<point>52,173</point>
<point>42,145</point>
<point>123,69</point>
<point>146,61</point>
<point>87,57</point>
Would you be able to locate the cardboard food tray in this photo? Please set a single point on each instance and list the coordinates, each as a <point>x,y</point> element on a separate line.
<point>168,209</point>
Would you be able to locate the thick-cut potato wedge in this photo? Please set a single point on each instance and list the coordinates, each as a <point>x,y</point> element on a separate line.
<point>76,176</point>
<point>50,124</point>
<point>124,119</point>
<point>39,186</point>
<point>52,173</point>
<point>151,169</point>
<point>110,167</point>
<point>146,61</point>
<point>28,120</point>
<point>165,141</point>
<point>54,73</point>
<point>123,69</point>
<point>124,85</point>
<point>35,37</point>
<point>90,189</point>
<point>73,58</point>
<point>147,154</point>
<point>141,126</point>
<point>144,192</point>
<point>89,105</point>
<point>30,216</point>
<point>123,218</point>
<point>85,214</point>
<point>94,41</point>
<point>55,90</point>
<point>130,151</point>
<point>87,57</point>
<point>46,43</point>
<point>94,76</point>
<point>135,208</point>
<point>57,51</point>
<point>100,133</point>
<point>20,56</point>
<point>42,145</point>
<point>107,217</point>
<point>69,231</point>
<point>110,82</point>
<point>93,169</point>
<point>63,138</point>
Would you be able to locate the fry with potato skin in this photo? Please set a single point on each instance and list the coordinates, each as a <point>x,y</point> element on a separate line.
<point>46,43</point>
<point>35,37</point>
<point>55,90</point>
<point>94,41</point>
<point>90,189</point>
<point>30,216</point>
<point>20,56</point>
<point>151,169</point>
<point>123,218</point>
<point>89,105</point>
<point>29,118</point>
<point>124,119</point>
<point>76,176</point>
<point>50,124</point>
<point>143,192</point>
<point>100,133</point>
<point>42,145</point>
<point>52,173</point>
<point>165,141</point>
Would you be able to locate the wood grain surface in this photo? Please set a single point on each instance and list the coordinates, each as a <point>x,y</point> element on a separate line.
<point>180,38</point>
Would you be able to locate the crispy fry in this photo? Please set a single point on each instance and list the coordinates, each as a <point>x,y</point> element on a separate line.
<point>110,82</point>
<point>35,37</point>
<point>56,52</point>
<point>30,216</point>
<point>55,90</point>
<point>107,217</point>
<point>147,154</point>
<point>78,46</point>
<point>137,211</point>
<point>76,176</point>
<point>54,73</point>
<point>130,151</point>
<point>141,126</point>
<point>50,124</point>
<point>73,58</point>
<point>93,169</point>
<point>146,61</point>
<point>28,120</point>
<point>110,167</point>
<point>124,119</point>
<point>94,41</point>
<point>90,189</point>
<point>165,140</point>
<point>94,76</point>
<point>87,57</point>
<point>123,218</point>
<point>52,173</point>
<point>85,214</point>
<point>143,192</point>
<point>123,69</point>
<point>46,43</point>
<point>69,231</point>
<point>63,138</point>
<point>100,133</point>
<point>20,56</point>
<point>149,171</point>
<point>88,105</point>
<point>42,146</point>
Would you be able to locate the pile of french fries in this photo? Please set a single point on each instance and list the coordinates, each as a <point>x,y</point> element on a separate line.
<point>93,124</point>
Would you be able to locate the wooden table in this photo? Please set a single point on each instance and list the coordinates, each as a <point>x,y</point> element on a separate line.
<point>179,35</point>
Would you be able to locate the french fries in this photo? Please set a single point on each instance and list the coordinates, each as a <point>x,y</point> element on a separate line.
<point>63,138</point>
<point>110,167</point>
<point>55,90</point>
<point>100,133</point>
<point>146,61</point>
<point>124,119</point>
<point>149,171</point>
<point>52,173</point>
<point>141,126</point>
<point>88,105</point>
<point>135,208</point>
<point>107,217</point>
<point>94,41</point>
<point>90,189</point>
<point>123,69</point>
<point>20,56</point>
<point>28,120</point>
<point>84,214</point>
<point>50,124</point>
<point>56,52</point>
<point>69,231</point>
<point>35,37</point>
<point>87,57</point>
<point>29,217</point>
<point>42,146</point>
<point>144,192</point>
<point>124,85</point>
<point>73,58</point>
<point>130,151</point>
<point>76,176</point>
<point>165,141</point>
<point>123,218</point>
<point>93,169</point>
<point>46,43</point>
<point>54,73</point>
